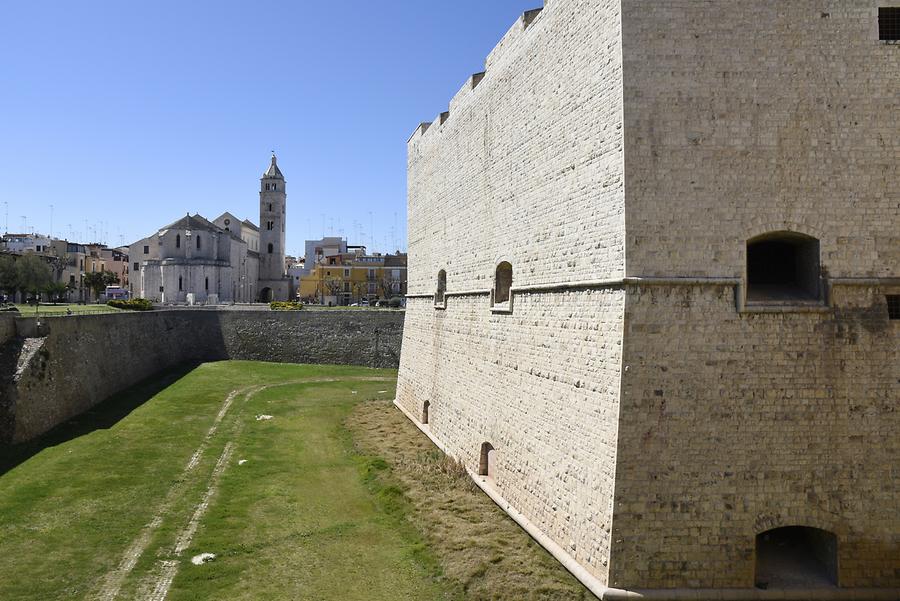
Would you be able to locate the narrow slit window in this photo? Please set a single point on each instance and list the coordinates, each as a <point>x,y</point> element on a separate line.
<point>502,283</point>
<point>441,292</point>
<point>487,464</point>
<point>178,241</point>
<point>889,23</point>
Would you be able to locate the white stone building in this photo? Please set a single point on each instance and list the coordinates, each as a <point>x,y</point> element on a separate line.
<point>197,261</point>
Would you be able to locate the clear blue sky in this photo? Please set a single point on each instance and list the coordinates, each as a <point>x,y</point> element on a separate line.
<point>126,115</point>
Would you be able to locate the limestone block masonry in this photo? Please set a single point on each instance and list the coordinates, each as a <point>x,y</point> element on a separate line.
<point>52,369</point>
<point>660,399</point>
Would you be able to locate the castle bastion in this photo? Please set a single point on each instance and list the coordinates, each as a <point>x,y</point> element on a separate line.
<point>654,277</point>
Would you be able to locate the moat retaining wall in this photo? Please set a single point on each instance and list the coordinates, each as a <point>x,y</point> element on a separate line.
<point>52,369</point>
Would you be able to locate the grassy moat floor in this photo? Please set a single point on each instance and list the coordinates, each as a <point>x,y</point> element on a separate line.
<point>304,482</point>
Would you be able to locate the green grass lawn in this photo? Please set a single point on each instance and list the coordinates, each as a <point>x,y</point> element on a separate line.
<point>45,309</point>
<point>306,485</point>
<point>298,519</point>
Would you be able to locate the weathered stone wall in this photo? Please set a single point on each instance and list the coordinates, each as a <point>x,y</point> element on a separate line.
<point>79,361</point>
<point>541,386</point>
<point>751,117</point>
<point>734,424</point>
<point>7,326</point>
<point>366,338</point>
<point>742,119</point>
<point>69,364</point>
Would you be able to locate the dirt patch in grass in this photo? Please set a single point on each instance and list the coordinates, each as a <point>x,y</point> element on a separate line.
<point>480,549</point>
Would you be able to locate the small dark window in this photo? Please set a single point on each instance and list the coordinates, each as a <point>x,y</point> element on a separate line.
<point>137,267</point>
<point>783,266</point>
<point>274,187</point>
<point>893,305</point>
<point>425,407</point>
<point>178,241</point>
<point>889,23</point>
<point>179,283</point>
<point>270,207</point>
<point>146,250</point>
<point>198,241</point>
<point>162,289</point>
<point>502,283</point>
<point>441,291</point>
<point>207,284</point>
<point>271,248</point>
<point>267,187</point>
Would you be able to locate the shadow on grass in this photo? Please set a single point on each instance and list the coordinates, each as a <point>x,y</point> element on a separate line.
<point>100,417</point>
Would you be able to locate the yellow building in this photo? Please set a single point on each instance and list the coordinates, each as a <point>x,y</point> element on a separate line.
<point>354,278</point>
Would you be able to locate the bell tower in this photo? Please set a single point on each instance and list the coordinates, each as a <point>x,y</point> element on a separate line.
<point>272,215</point>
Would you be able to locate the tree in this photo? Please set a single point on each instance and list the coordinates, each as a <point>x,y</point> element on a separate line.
<point>9,277</point>
<point>389,286</point>
<point>56,291</point>
<point>99,280</point>
<point>33,274</point>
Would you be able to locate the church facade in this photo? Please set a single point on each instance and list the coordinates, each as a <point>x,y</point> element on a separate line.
<point>198,261</point>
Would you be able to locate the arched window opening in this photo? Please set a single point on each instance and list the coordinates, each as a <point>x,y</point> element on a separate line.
<point>796,557</point>
<point>502,283</point>
<point>180,287</point>
<point>177,240</point>
<point>425,407</point>
<point>271,248</point>
<point>488,462</point>
<point>441,291</point>
<point>783,266</point>
<point>198,241</point>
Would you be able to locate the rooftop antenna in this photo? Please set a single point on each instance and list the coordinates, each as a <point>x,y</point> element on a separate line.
<point>24,224</point>
<point>51,222</point>
<point>6,223</point>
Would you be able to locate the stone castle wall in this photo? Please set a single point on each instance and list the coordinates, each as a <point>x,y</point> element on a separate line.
<point>516,173</point>
<point>541,386</point>
<point>734,424</point>
<point>507,173</point>
<point>679,129</point>
<point>743,120</point>
<point>747,118</point>
<point>55,371</point>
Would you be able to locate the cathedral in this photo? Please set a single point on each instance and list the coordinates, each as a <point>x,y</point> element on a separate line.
<point>226,260</point>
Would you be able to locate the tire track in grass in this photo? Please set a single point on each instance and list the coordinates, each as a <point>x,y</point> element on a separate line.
<point>167,569</point>
<point>113,581</point>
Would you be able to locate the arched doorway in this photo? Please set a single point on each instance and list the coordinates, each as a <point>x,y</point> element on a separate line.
<point>796,557</point>
<point>265,295</point>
